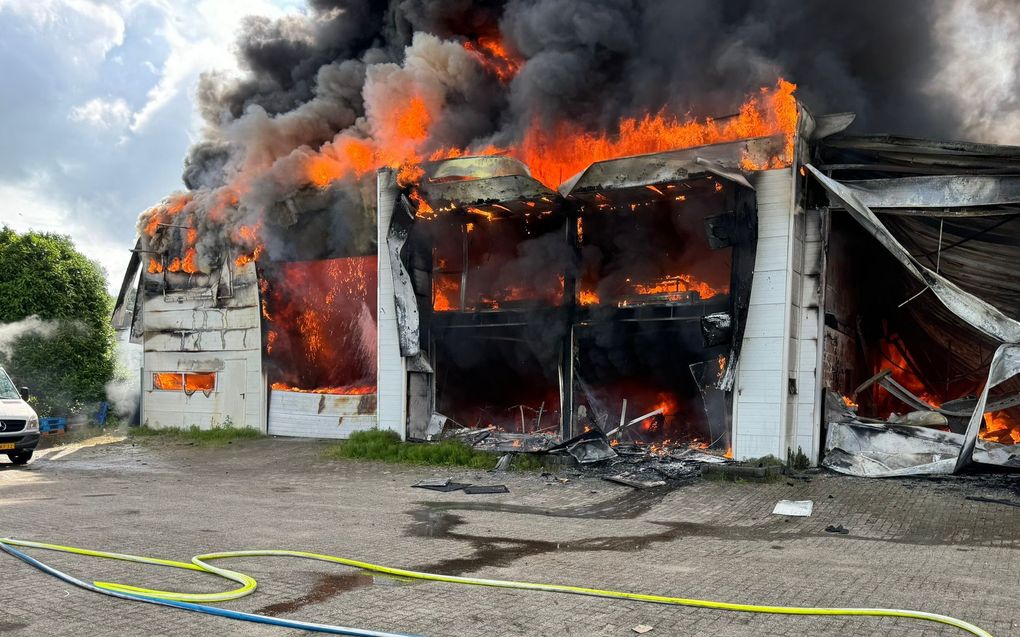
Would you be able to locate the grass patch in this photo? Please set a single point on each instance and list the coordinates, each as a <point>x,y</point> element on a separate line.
<point>386,446</point>
<point>211,437</point>
<point>797,461</point>
<point>763,470</point>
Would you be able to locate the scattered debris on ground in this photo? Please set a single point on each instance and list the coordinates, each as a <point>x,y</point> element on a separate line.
<point>636,464</point>
<point>978,498</point>
<point>447,485</point>
<point>636,483</point>
<point>486,488</point>
<point>837,528</point>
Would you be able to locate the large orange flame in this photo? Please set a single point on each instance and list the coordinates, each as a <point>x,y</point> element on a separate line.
<point>402,132</point>
<point>494,57</point>
<point>556,155</point>
<point>318,316</point>
<point>1000,427</point>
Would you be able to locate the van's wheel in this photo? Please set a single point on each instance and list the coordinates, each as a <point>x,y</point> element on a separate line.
<point>20,457</point>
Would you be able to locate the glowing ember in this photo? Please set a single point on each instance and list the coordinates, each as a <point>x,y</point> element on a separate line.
<point>348,390</point>
<point>588,297</point>
<point>494,57</point>
<point>1001,428</point>
<point>850,403</point>
<point>445,292</point>
<point>675,287</point>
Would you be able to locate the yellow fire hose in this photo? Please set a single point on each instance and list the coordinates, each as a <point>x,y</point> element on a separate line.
<point>248,584</point>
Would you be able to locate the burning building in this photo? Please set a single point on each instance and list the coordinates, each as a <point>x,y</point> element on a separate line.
<point>377,253</point>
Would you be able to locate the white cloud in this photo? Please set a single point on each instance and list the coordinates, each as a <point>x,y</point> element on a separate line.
<point>102,109</point>
<point>110,114</point>
<point>27,207</point>
<point>201,38</point>
<point>83,31</point>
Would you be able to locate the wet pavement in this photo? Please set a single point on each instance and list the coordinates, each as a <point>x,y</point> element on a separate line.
<point>947,546</point>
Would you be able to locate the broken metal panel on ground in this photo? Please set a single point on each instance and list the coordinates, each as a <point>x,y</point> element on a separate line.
<point>876,450</point>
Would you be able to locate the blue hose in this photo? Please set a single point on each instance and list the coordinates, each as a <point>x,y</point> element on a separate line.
<point>199,608</point>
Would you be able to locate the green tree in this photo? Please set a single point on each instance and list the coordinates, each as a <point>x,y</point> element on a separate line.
<point>42,274</point>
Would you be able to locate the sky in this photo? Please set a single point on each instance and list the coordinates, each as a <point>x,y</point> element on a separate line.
<point>98,109</point>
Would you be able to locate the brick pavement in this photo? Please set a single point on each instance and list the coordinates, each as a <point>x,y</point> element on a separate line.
<point>912,544</point>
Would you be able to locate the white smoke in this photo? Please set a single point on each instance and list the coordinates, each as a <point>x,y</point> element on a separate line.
<point>31,326</point>
<point>124,391</point>
<point>122,394</point>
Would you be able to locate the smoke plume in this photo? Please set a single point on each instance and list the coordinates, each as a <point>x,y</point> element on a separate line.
<point>330,96</point>
<point>31,326</point>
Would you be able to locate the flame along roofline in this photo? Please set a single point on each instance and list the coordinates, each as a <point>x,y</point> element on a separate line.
<point>725,155</point>
<point>722,159</point>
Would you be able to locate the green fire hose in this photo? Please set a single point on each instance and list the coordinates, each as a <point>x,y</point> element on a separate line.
<point>248,585</point>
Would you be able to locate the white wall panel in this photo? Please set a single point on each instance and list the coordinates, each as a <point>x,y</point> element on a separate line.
<point>309,415</point>
<point>222,336</point>
<point>760,388</point>
<point>392,371</point>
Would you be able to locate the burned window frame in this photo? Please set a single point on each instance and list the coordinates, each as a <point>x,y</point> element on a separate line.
<point>183,376</point>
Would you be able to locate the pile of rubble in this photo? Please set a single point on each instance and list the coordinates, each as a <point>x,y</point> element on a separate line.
<point>635,464</point>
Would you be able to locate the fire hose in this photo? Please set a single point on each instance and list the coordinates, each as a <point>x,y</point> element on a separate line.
<point>188,601</point>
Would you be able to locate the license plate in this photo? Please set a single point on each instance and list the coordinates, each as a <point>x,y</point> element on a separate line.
<point>4,446</point>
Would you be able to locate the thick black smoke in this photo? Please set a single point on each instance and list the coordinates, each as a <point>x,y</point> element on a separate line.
<point>311,80</point>
<point>590,61</point>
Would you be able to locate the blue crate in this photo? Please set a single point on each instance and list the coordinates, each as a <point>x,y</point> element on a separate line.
<point>52,425</point>
<point>104,410</point>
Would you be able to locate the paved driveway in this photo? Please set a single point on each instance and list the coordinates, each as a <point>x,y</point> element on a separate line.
<point>912,544</point>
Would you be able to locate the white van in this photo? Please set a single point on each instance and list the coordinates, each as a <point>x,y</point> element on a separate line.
<point>19,424</point>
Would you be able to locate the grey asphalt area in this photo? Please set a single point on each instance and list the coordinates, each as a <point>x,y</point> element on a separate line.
<point>926,545</point>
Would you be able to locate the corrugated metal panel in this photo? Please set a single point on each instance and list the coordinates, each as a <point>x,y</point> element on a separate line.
<point>319,415</point>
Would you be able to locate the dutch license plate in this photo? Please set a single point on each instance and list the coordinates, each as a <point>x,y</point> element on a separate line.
<point>4,446</point>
